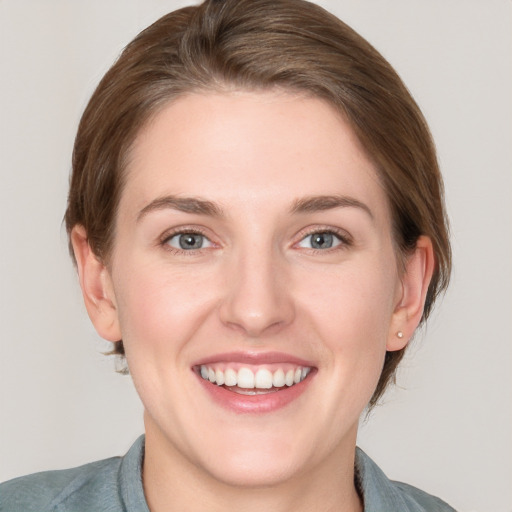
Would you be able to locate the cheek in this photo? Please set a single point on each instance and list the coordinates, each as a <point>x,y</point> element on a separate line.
<point>352,311</point>
<point>359,299</point>
<point>160,312</point>
<point>159,308</point>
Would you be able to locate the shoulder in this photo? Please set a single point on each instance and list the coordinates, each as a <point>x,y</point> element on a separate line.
<point>381,494</point>
<point>109,485</point>
<point>48,490</point>
<point>421,498</point>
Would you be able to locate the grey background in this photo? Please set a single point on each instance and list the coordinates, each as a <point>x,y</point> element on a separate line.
<point>445,428</point>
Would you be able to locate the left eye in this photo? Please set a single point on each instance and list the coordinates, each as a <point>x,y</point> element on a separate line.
<point>320,240</point>
<point>189,241</point>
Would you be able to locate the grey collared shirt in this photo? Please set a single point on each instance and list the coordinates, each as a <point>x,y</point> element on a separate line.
<point>115,485</point>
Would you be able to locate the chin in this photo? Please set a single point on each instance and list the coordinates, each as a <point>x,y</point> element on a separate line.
<point>255,469</point>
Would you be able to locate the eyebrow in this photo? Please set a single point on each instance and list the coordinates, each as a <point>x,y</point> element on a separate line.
<point>311,204</point>
<point>308,204</point>
<point>182,204</point>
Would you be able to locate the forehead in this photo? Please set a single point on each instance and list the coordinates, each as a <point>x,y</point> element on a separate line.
<point>266,146</point>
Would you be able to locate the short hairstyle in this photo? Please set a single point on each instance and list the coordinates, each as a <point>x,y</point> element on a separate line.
<point>255,45</point>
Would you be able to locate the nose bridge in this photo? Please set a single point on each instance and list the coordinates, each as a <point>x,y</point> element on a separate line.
<point>256,298</point>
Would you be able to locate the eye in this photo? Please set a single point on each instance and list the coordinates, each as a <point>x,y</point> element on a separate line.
<point>188,241</point>
<point>320,240</point>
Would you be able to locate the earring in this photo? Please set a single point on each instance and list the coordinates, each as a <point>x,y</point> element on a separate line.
<point>399,334</point>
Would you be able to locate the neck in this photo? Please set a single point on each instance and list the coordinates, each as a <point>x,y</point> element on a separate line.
<point>173,482</point>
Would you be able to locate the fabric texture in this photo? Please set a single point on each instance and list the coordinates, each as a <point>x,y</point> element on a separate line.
<point>115,485</point>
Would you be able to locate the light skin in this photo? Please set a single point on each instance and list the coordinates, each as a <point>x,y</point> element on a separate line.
<point>292,253</point>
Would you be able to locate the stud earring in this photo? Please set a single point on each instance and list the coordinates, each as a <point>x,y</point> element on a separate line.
<point>399,334</point>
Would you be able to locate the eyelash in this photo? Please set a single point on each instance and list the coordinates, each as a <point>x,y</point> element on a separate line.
<point>164,241</point>
<point>343,237</point>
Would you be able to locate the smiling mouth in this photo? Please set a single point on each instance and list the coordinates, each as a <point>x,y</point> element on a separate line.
<point>244,380</point>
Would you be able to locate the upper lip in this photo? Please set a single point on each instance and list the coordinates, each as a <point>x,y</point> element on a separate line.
<point>254,358</point>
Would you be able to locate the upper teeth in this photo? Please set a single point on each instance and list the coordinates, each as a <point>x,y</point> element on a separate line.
<point>246,378</point>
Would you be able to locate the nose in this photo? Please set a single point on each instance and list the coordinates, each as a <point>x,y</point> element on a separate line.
<point>257,298</point>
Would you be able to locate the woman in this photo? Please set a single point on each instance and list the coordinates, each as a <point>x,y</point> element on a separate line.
<point>257,220</point>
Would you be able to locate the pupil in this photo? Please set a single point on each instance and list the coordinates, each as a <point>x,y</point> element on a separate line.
<point>322,241</point>
<point>191,241</point>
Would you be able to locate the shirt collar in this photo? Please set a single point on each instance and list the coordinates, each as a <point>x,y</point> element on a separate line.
<point>130,478</point>
<point>379,494</point>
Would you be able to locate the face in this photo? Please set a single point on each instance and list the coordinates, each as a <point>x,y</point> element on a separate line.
<point>255,283</point>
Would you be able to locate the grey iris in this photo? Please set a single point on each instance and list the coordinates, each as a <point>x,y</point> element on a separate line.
<point>191,241</point>
<point>321,240</point>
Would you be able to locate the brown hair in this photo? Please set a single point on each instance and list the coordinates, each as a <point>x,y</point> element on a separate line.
<point>262,44</point>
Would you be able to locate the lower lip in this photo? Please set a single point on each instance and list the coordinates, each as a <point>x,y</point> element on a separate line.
<point>262,403</point>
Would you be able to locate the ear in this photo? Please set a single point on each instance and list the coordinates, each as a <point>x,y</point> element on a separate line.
<point>411,295</point>
<point>97,288</point>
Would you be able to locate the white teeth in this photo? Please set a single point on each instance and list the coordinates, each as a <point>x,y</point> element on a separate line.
<point>245,378</point>
<point>262,379</point>
<point>230,377</point>
<point>278,378</point>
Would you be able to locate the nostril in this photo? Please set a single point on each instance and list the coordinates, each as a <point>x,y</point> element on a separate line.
<point>256,301</point>
<point>253,321</point>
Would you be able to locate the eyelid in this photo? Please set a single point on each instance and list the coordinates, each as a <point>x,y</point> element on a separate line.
<point>166,235</point>
<point>344,237</point>
<point>181,230</point>
<point>204,241</point>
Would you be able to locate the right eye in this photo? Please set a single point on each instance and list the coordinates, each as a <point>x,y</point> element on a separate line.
<point>188,241</point>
